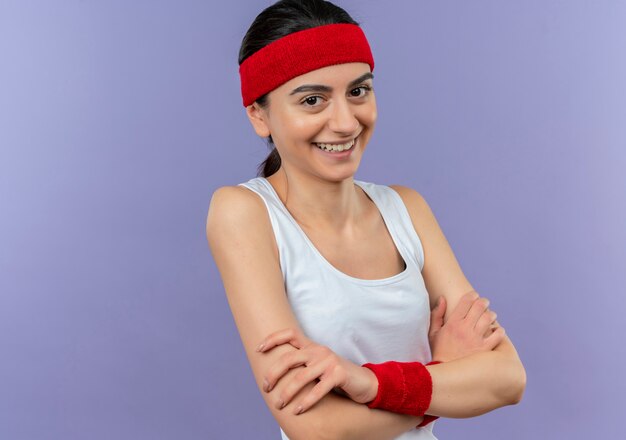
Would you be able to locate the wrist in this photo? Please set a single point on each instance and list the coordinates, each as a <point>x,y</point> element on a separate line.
<point>427,417</point>
<point>372,389</point>
<point>404,387</point>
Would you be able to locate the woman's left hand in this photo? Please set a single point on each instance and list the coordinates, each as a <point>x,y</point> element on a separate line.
<point>333,371</point>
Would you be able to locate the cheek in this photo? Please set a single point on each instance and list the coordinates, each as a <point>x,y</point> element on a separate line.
<point>373,117</point>
<point>373,111</point>
<point>305,127</point>
<point>369,115</point>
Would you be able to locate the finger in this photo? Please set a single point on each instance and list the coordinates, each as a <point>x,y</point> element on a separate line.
<point>492,327</point>
<point>285,363</point>
<point>286,336</point>
<point>488,332</point>
<point>323,387</point>
<point>464,305</point>
<point>299,381</point>
<point>478,308</point>
<point>485,321</point>
<point>436,316</point>
<point>496,337</point>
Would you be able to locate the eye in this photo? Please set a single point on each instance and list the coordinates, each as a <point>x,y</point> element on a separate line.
<point>366,90</point>
<point>310,101</point>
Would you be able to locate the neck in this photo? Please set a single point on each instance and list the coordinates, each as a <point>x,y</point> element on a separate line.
<point>318,203</point>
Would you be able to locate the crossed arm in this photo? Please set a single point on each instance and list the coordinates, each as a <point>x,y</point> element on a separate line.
<point>478,383</point>
<point>242,244</point>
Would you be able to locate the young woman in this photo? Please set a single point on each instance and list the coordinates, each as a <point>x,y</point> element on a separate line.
<point>330,279</point>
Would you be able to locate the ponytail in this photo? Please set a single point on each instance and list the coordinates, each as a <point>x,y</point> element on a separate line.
<point>271,164</point>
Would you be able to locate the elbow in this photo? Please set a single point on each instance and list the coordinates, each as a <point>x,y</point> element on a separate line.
<point>512,385</point>
<point>517,385</point>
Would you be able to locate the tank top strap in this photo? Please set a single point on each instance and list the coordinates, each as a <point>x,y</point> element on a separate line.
<point>274,206</point>
<point>396,216</point>
<point>286,233</point>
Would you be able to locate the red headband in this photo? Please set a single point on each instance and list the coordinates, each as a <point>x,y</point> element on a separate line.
<point>301,52</point>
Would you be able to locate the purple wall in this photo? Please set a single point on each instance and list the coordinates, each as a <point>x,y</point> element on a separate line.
<point>119,119</point>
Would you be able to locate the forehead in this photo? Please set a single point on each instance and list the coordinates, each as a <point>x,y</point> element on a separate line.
<point>338,75</point>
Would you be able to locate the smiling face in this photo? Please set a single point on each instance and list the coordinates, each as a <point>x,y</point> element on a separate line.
<point>332,105</point>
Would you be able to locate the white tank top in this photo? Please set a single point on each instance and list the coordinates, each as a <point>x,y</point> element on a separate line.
<point>361,320</point>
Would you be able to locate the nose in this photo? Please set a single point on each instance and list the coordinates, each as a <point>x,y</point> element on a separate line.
<point>343,118</point>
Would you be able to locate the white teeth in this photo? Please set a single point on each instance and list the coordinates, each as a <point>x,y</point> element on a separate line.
<point>333,147</point>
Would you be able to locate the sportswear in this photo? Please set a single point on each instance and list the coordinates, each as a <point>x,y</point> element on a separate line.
<point>359,319</point>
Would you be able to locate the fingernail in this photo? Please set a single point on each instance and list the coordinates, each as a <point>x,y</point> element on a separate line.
<point>266,385</point>
<point>298,409</point>
<point>281,404</point>
<point>260,347</point>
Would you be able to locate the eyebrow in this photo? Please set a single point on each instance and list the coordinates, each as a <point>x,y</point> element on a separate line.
<point>327,89</point>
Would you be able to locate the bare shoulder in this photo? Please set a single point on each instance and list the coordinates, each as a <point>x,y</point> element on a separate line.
<point>419,210</point>
<point>233,204</point>
<point>237,213</point>
<point>232,194</point>
<point>413,200</point>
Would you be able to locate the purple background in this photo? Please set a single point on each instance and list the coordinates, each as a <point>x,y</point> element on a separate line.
<point>119,119</point>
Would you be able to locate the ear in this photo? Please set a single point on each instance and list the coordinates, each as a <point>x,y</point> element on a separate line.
<point>258,117</point>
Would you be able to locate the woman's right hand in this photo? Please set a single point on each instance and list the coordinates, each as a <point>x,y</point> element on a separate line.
<point>471,328</point>
<point>331,371</point>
